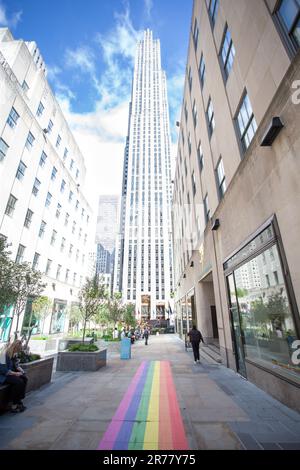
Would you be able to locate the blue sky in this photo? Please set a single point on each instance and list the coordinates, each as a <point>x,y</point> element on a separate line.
<point>88,46</point>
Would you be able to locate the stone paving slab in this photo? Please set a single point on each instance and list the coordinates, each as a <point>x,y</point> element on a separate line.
<point>220,410</point>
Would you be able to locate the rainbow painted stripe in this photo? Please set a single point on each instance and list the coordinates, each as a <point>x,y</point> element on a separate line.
<point>148,416</point>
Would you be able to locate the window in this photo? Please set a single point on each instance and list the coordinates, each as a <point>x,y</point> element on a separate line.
<point>63,244</point>
<point>210,117</point>
<point>195,113</point>
<point>71,250</point>
<point>189,143</point>
<point>206,209</point>
<point>25,86</point>
<point>21,171</point>
<point>36,260</point>
<point>186,111</point>
<point>48,200</point>
<point>28,218</point>
<point>213,10</point>
<point>202,71</point>
<point>13,118</point>
<point>54,173</point>
<point>289,15</point>
<point>67,275</point>
<point>58,211</point>
<point>42,229</point>
<point>228,52</point>
<point>65,154</point>
<point>73,226</point>
<point>77,205</point>
<point>50,126</point>
<point>3,149</point>
<point>85,238</point>
<point>77,174</point>
<point>58,272</point>
<point>266,321</point>
<point>71,164</point>
<point>48,266</point>
<point>53,237</point>
<point>62,186</point>
<point>70,196</point>
<point>43,159</point>
<point>196,33</point>
<point>190,78</point>
<point>246,122</point>
<point>11,205</point>
<point>58,141</point>
<point>74,278</point>
<point>40,109</point>
<point>30,140</point>
<point>67,219</point>
<point>194,183</point>
<point>221,178</point>
<point>20,254</point>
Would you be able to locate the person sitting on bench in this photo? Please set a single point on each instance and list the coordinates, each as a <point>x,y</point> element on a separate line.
<point>12,374</point>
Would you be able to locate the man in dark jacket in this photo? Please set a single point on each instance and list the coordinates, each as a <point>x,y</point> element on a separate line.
<point>195,339</point>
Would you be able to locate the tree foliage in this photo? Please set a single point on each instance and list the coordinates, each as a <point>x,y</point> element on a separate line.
<point>129,315</point>
<point>7,277</point>
<point>91,297</point>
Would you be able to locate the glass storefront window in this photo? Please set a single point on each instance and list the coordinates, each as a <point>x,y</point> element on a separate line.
<point>266,321</point>
<point>58,317</point>
<point>184,317</point>
<point>5,323</point>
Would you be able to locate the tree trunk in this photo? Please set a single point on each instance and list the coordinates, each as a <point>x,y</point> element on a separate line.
<point>84,328</point>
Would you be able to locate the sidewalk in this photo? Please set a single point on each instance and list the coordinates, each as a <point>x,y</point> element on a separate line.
<point>219,409</point>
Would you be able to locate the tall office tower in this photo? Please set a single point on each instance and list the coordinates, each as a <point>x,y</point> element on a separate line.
<point>236,255</point>
<point>144,249</point>
<point>43,212</point>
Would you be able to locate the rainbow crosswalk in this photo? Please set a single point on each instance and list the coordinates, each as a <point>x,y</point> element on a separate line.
<point>148,416</point>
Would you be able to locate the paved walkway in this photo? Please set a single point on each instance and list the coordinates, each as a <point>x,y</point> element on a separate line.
<point>217,408</point>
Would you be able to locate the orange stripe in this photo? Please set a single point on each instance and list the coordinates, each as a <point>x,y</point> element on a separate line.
<point>165,430</point>
<point>179,437</point>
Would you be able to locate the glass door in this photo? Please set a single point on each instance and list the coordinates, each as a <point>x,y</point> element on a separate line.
<point>236,327</point>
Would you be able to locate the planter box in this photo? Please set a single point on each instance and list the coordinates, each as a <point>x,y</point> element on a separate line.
<point>38,372</point>
<point>81,361</point>
<point>65,343</point>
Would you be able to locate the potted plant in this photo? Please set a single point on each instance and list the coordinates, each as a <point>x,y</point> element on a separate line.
<point>82,356</point>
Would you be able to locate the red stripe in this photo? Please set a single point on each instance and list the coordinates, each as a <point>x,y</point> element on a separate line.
<point>178,432</point>
<point>165,438</point>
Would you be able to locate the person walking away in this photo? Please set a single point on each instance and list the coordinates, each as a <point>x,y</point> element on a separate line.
<point>195,339</point>
<point>146,336</point>
<point>12,374</point>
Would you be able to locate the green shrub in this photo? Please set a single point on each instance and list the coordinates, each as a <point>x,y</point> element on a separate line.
<point>24,358</point>
<point>154,331</point>
<point>83,347</point>
<point>40,337</point>
<point>162,331</point>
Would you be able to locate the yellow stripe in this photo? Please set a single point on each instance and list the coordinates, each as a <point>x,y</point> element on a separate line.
<point>152,427</point>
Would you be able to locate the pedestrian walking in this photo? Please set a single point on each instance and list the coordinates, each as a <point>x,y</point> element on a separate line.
<point>146,336</point>
<point>12,374</point>
<point>195,339</point>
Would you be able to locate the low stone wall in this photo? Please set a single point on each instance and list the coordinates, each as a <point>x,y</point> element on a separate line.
<point>38,372</point>
<point>81,361</point>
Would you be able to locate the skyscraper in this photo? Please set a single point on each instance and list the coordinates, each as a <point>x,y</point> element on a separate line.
<point>144,250</point>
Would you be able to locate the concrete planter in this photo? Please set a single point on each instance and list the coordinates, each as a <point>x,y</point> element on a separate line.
<point>67,342</point>
<point>38,372</point>
<point>81,361</point>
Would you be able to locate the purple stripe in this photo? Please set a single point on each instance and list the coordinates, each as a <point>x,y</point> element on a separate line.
<point>125,431</point>
<point>116,423</point>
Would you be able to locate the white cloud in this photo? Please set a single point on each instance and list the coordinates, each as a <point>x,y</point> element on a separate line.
<point>148,8</point>
<point>11,21</point>
<point>101,133</point>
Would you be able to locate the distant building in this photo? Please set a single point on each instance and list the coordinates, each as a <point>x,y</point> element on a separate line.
<point>43,213</point>
<point>143,268</point>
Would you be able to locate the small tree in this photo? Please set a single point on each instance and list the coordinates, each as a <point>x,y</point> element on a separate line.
<point>129,315</point>
<point>91,297</point>
<point>75,316</point>
<point>39,311</point>
<point>115,309</point>
<point>27,284</point>
<point>7,277</point>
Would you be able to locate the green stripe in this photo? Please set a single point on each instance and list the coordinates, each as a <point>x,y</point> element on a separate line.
<point>138,431</point>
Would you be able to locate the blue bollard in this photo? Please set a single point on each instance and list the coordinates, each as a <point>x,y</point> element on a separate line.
<point>125,348</point>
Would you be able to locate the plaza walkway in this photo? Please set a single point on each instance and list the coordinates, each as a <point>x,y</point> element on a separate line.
<point>157,400</point>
